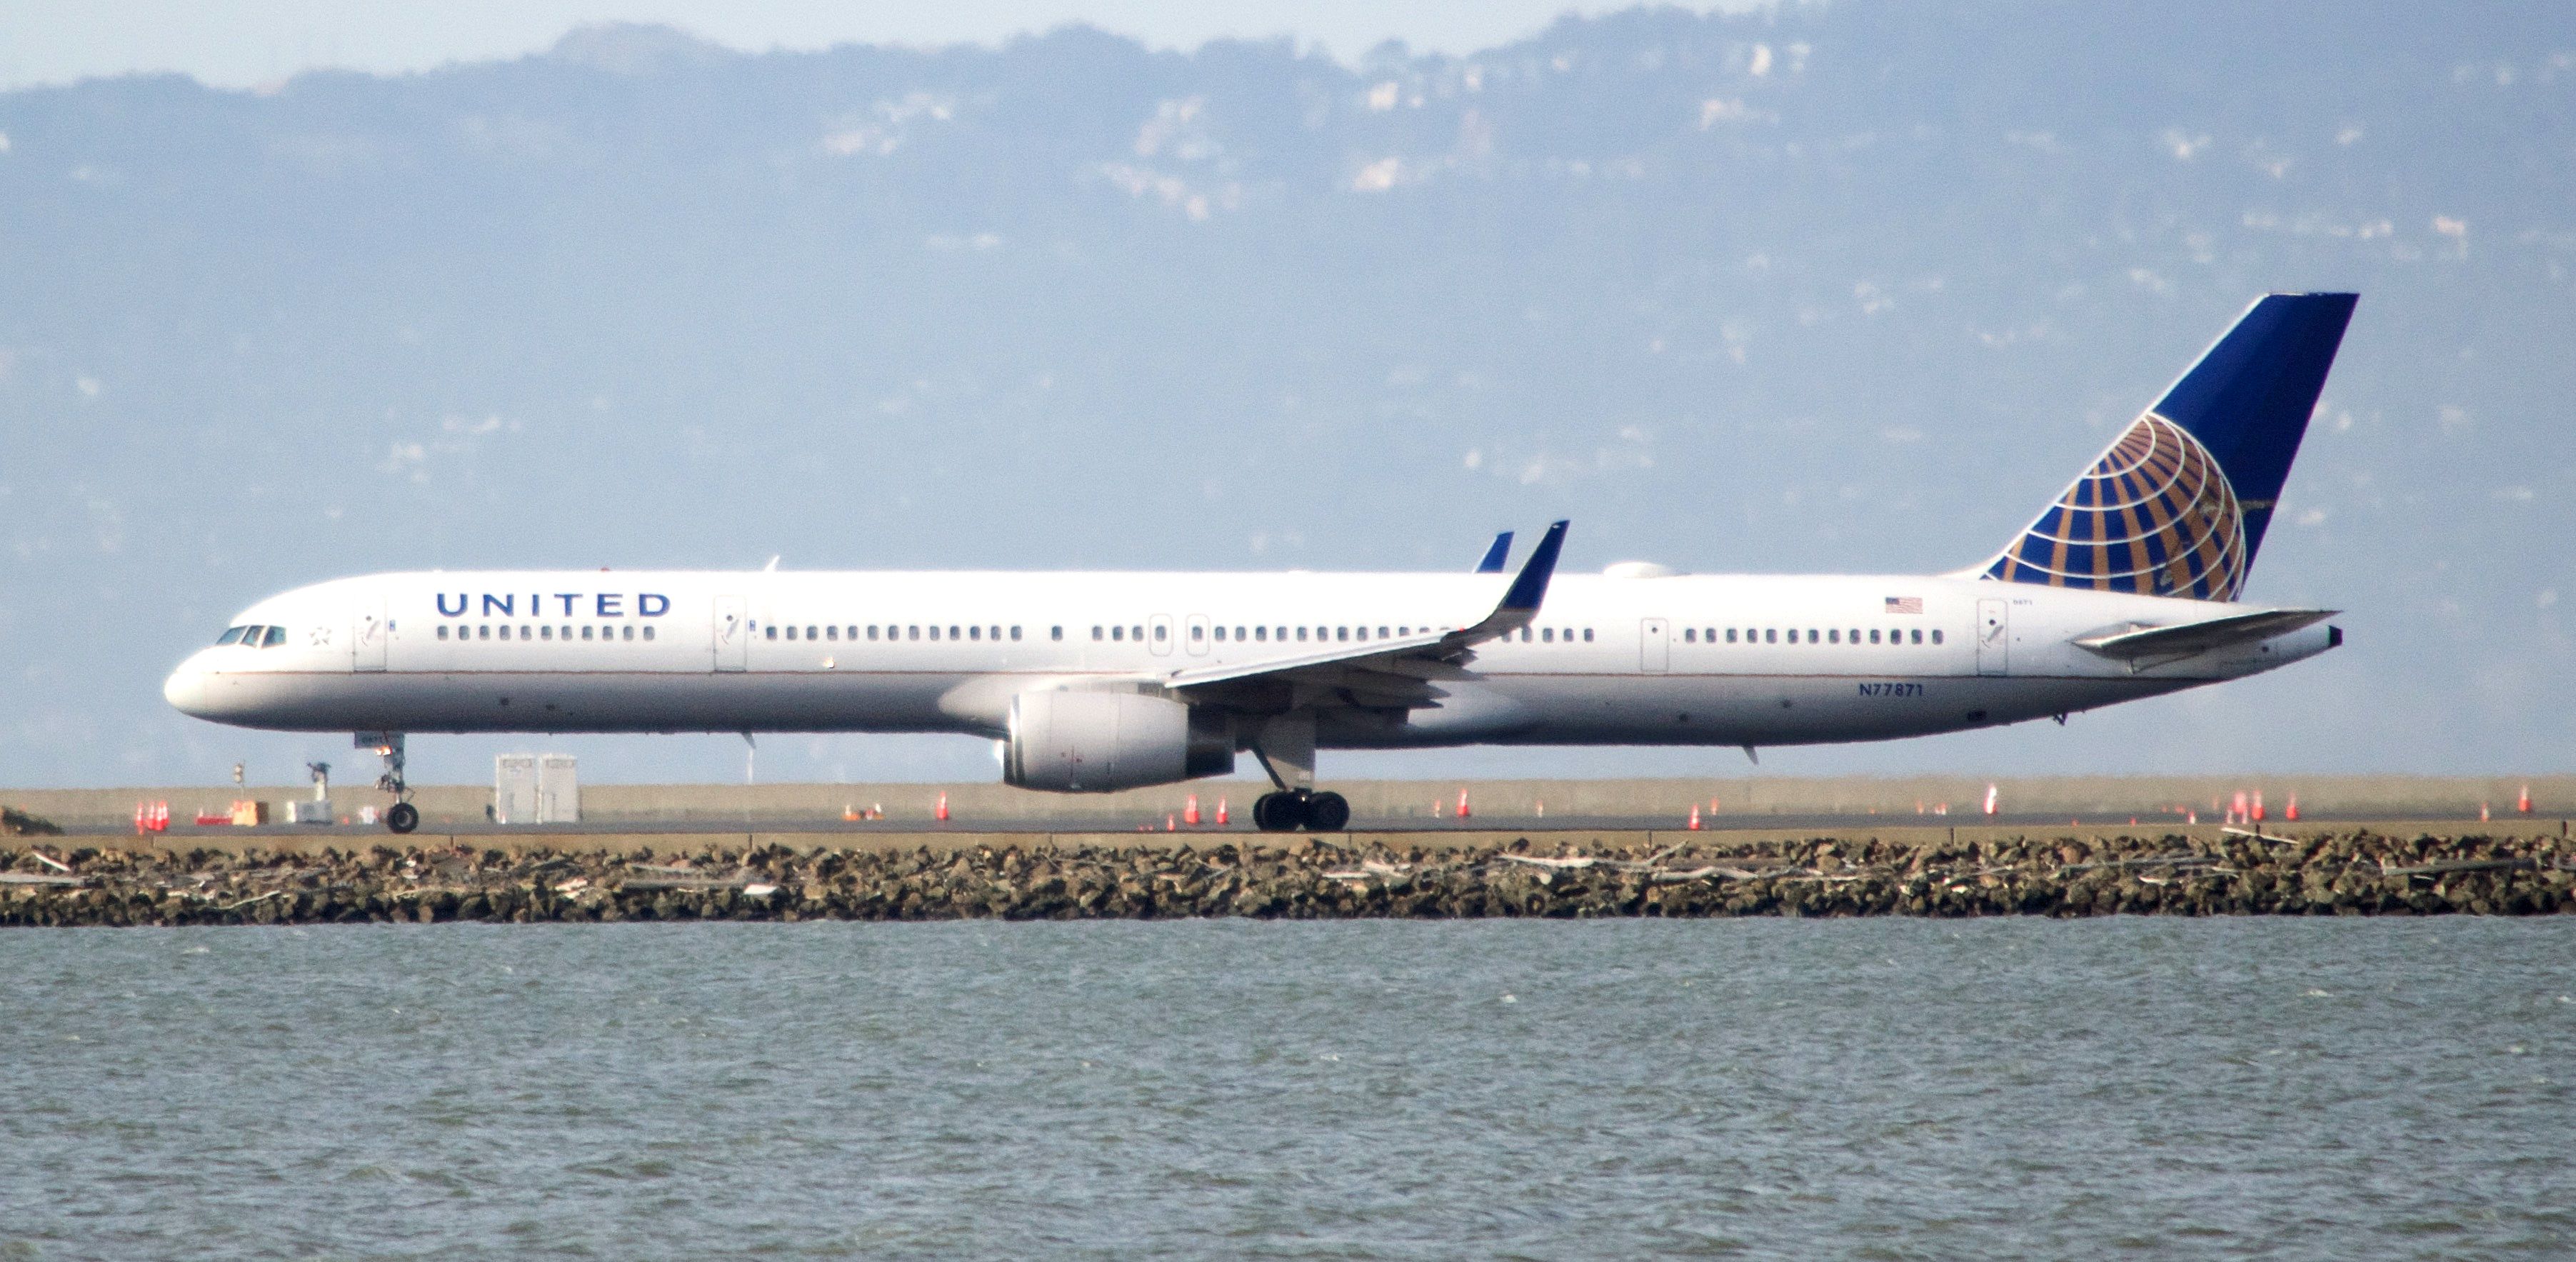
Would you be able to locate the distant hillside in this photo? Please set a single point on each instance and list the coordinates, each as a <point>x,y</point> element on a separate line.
<point>1852,286</point>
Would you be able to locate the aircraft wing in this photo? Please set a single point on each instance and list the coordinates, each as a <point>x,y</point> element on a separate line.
<point>2133,643</point>
<point>1396,672</point>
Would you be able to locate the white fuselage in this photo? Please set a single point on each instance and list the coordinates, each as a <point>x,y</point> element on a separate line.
<point>1656,660</point>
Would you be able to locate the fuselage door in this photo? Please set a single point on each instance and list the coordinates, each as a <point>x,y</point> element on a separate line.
<point>368,632</point>
<point>732,633</point>
<point>1198,635</point>
<point>1994,637</point>
<point>1654,646</point>
<point>1161,635</point>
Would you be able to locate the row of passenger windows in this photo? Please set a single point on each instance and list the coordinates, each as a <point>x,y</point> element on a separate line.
<point>252,637</point>
<point>485,631</point>
<point>1832,635</point>
<point>896,633</point>
<point>1334,634</point>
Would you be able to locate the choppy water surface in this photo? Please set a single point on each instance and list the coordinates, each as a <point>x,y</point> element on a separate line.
<point>1871,1088</point>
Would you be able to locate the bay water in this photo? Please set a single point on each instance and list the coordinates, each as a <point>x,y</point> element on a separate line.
<point>1857,1088</point>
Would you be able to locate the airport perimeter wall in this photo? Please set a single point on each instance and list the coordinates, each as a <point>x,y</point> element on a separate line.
<point>1735,801</point>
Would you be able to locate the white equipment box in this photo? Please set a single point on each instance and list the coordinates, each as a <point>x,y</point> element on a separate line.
<point>536,789</point>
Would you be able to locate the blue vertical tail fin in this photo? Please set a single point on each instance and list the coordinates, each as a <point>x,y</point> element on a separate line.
<point>2177,506</point>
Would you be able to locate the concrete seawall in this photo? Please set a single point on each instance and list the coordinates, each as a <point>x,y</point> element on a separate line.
<point>2507,870</point>
<point>2152,799</point>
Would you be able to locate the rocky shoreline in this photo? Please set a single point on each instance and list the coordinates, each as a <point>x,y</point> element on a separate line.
<point>2352,873</point>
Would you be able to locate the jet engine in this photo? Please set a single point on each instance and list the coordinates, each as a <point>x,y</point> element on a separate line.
<point>1096,742</point>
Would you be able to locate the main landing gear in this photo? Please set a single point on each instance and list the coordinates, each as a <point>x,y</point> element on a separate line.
<point>1288,811</point>
<point>402,817</point>
<point>1289,741</point>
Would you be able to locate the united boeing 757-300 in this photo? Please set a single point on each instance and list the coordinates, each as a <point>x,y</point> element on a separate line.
<point>2124,587</point>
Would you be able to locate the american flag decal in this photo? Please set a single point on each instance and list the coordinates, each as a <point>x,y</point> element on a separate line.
<point>1905,604</point>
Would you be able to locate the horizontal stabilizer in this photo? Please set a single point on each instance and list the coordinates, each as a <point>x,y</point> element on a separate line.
<point>2134,642</point>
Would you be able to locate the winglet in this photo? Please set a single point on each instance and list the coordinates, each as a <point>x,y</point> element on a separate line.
<point>1531,587</point>
<point>1497,555</point>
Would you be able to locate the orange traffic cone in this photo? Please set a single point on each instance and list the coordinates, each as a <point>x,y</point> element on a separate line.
<point>2191,817</point>
<point>1694,818</point>
<point>1190,816</point>
<point>2258,806</point>
<point>142,819</point>
<point>1220,812</point>
<point>2237,813</point>
<point>1542,808</point>
<point>1990,799</point>
<point>849,813</point>
<point>1462,803</point>
<point>940,812</point>
<point>2291,812</point>
<point>2522,803</point>
<point>1168,824</point>
<point>2482,812</point>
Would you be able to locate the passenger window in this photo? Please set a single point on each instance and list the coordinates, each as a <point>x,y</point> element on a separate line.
<point>1770,636</point>
<point>545,633</point>
<point>1936,637</point>
<point>1301,633</point>
<point>1341,633</point>
<point>952,632</point>
<point>1095,633</point>
<point>1137,633</point>
<point>872,631</point>
<point>912,633</point>
<point>1162,632</point>
<point>1220,635</point>
<point>442,632</point>
<point>648,633</point>
<point>1690,635</point>
<point>1587,635</point>
<point>1197,632</point>
<point>1873,635</point>
<point>483,632</point>
<point>1730,635</point>
<point>505,632</point>
<point>1118,633</point>
<point>1855,635</point>
<point>630,634</point>
<point>1836,634</point>
<point>1015,635</point>
<point>975,633</point>
<point>1261,633</point>
<point>831,633</point>
<point>1548,634</point>
<point>934,632</point>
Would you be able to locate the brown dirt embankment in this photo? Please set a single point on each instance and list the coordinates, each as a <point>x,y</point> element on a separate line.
<point>2356,872</point>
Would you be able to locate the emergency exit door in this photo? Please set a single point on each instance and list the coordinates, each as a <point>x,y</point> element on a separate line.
<point>1654,646</point>
<point>1994,637</point>
<point>368,633</point>
<point>732,634</point>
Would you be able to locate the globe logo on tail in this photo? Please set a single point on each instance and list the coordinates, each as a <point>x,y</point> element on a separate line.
<point>2154,516</point>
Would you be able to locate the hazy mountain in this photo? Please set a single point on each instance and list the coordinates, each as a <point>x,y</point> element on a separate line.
<point>1857,286</point>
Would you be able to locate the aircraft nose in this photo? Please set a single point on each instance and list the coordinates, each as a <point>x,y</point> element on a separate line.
<point>185,689</point>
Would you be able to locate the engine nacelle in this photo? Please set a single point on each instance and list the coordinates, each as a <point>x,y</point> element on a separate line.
<point>1096,742</point>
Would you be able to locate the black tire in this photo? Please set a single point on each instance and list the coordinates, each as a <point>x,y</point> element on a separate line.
<point>1327,813</point>
<point>403,818</point>
<point>1278,812</point>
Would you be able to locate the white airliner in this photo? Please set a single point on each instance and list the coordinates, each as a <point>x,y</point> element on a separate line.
<point>2124,587</point>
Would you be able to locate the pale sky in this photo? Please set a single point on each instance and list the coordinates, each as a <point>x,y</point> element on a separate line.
<point>241,43</point>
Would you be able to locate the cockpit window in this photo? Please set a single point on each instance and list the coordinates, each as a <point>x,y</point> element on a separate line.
<point>231,635</point>
<point>276,636</point>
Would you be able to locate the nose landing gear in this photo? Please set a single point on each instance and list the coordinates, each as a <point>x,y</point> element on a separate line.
<point>402,817</point>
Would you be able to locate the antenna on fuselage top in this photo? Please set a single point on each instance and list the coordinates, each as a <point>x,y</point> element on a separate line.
<point>772,566</point>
